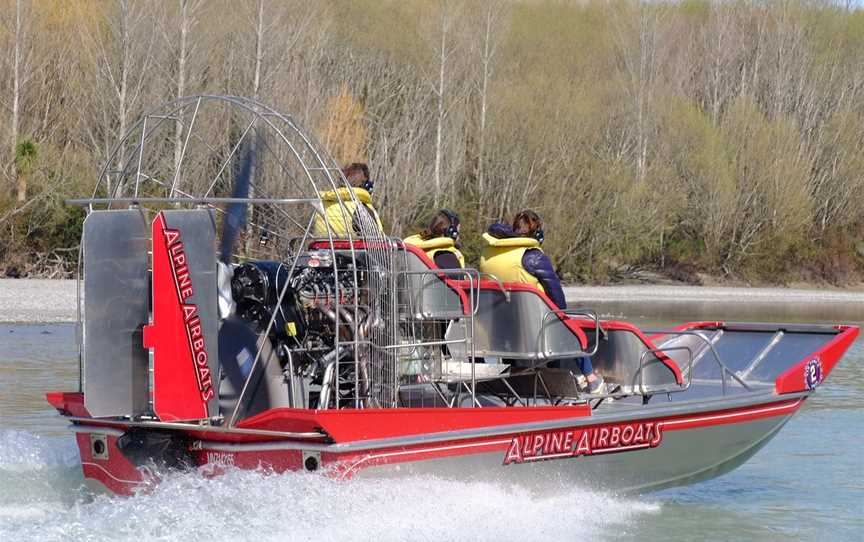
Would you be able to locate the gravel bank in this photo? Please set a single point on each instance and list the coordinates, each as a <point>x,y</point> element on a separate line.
<point>31,300</point>
<point>37,300</point>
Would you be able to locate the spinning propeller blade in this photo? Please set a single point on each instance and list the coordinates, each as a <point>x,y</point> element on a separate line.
<point>235,214</point>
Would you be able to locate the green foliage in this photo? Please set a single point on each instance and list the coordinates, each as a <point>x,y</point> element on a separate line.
<point>26,153</point>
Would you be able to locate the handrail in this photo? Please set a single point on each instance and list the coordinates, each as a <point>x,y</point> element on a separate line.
<point>641,373</point>
<point>723,367</point>
<point>494,279</point>
<point>592,315</point>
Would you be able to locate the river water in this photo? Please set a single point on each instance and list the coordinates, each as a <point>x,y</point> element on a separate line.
<point>808,483</point>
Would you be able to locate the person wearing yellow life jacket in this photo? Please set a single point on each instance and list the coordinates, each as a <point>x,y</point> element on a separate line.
<point>513,254</point>
<point>439,240</point>
<point>348,217</point>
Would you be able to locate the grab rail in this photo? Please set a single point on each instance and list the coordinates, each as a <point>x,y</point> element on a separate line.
<point>724,369</point>
<point>496,280</point>
<point>640,373</point>
<point>592,315</point>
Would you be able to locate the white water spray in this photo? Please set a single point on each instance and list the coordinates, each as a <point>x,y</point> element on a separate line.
<point>243,505</point>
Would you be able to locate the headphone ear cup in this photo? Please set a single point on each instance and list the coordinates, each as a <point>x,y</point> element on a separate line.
<point>539,235</point>
<point>453,228</point>
<point>368,185</point>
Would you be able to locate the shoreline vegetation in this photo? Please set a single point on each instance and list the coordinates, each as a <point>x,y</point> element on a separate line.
<point>698,142</point>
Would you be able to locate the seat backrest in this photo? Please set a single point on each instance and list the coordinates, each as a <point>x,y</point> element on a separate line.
<point>425,294</point>
<point>622,349</point>
<point>519,322</point>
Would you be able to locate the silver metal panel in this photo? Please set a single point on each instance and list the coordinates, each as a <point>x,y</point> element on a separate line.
<point>514,328</point>
<point>116,307</point>
<point>198,232</point>
<point>427,295</point>
<point>618,357</point>
<point>683,457</point>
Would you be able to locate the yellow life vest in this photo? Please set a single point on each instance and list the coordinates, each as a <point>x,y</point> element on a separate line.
<point>503,258</point>
<point>435,245</point>
<point>341,219</point>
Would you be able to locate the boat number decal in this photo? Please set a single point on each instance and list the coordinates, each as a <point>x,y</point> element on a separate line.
<point>813,373</point>
<point>589,441</point>
<point>221,459</point>
<point>183,282</point>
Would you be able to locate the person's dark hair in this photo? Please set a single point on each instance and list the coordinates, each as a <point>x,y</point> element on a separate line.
<point>357,174</point>
<point>526,223</point>
<point>444,223</point>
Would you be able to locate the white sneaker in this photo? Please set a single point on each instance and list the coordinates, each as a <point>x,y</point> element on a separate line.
<point>581,383</point>
<point>597,387</point>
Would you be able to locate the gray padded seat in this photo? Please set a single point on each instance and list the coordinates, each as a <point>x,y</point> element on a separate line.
<point>427,296</point>
<point>520,328</point>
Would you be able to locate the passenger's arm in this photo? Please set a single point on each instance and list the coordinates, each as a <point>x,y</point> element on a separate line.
<point>539,265</point>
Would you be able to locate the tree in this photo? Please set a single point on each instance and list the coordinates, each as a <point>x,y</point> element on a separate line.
<point>119,48</point>
<point>187,19</point>
<point>21,49</point>
<point>344,132</point>
<point>492,16</point>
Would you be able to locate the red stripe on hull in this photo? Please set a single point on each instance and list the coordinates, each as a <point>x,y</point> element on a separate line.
<point>677,423</point>
<point>345,465</point>
<point>369,424</point>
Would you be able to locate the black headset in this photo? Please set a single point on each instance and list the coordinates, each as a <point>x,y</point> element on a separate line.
<point>368,185</point>
<point>453,229</point>
<point>539,235</point>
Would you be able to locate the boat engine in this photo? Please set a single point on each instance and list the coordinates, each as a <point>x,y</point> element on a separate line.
<point>318,305</point>
<point>255,288</point>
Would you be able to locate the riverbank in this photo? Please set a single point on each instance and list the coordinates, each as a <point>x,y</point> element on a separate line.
<point>41,301</point>
<point>37,300</point>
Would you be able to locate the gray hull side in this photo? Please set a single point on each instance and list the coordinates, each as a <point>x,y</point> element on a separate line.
<point>683,457</point>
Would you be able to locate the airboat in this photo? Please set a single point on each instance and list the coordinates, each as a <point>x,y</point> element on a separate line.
<point>224,324</point>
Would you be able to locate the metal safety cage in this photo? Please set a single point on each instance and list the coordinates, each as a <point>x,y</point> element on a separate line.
<point>191,154</point>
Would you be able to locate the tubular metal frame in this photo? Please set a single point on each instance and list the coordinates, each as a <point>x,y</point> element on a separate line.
<point>473,277</point>
<point>546,354</point>
<point>724,369</point>
<point>269,118</point>
<point>384,343</point>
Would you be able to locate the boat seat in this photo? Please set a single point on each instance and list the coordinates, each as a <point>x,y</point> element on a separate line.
<point>428,295</point>
<point>522,328</point>
<point>619,352</point>
<point>513,321</point>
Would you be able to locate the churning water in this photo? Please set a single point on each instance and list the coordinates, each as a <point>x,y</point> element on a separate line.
<point>806,484</point>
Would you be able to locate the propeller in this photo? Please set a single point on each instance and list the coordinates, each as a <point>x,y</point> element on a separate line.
<point>235,214</point>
